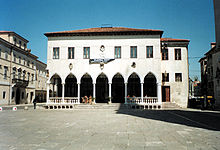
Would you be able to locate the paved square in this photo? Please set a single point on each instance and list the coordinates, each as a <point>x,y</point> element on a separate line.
<point>108,129</point>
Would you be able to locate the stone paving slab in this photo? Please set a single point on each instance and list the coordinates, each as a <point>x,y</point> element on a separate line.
<point>106,129</point>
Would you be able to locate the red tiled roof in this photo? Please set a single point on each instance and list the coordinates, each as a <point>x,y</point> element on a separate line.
<point>104,30</point>
<point>5,31</point>
<point>173,40</point>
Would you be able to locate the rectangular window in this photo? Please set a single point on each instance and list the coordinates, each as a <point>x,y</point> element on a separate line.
<point>165,54</point>
<point>19,43</point>
<point>15,40</point>
<point>6,55</point>
<point>165,77</point>
<point>19,74</point>
<point>24,75</point>
<point>14,58</point>
<point>19,60</point>
<point>28,77</point>
<point>133,51</point>
<point>13,73</point>
<point>117,51</point>
<point>56,52</point>
<point>32,65</point>
<point>178,77</point>
<point>149,51</point>
<point>25,46</point>
<point>70,52</point>
<point>32,78</point>
<point>5,72</point>
<point>4,94</point>
<point>86,52</point>
<point>178,54</point>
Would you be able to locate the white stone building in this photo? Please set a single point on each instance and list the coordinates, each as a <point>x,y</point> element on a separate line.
<point>112,63</point>
<point>17,69</point>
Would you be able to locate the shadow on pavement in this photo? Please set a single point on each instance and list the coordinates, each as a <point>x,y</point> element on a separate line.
<point>200,119</point>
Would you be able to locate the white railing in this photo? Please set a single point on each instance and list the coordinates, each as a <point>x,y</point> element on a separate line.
<point>67,100</point>
<point>145,103</point>
<point>138,100</point>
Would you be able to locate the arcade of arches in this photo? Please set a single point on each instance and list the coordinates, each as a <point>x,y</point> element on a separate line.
<point>102,90</point>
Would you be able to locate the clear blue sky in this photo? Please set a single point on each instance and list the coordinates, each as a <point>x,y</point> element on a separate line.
<point>186,19</point>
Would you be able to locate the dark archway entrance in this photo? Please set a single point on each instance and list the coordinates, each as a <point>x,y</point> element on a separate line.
<point>118,89</point>
<point>102,89</point>
<point>134,85</point>
<point>86,87</point>
<point>18,96</point>
<point>150,85</point>
<point>56,86</point>
<point>71,87</point>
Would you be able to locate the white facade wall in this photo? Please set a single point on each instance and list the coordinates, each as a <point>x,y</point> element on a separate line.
<point>123,65</point>
<point>179,90</point>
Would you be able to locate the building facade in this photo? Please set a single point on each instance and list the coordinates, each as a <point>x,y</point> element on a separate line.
<point>112,64</point>
<point>17,69</point>
<point>210,73</point>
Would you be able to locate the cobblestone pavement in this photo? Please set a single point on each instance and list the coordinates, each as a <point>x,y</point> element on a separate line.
<point>108,129</point>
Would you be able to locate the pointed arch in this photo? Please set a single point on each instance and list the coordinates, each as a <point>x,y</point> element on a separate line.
<point>118,88</point>
<point>134,85</point>
<point>150,85</point>
<point>86,86</point>
<point>102,88</point>
<point>71,87</point>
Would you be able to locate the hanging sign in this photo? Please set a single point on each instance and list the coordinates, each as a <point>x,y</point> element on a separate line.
<point>100,60</point>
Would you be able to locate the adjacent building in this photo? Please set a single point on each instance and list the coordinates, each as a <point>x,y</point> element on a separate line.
<point>18,70</point>
<point>210,73</point>
<point>113,64</point>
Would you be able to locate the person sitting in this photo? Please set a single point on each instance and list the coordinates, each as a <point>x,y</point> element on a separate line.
<point>86,99</point>
<point>90,99</point>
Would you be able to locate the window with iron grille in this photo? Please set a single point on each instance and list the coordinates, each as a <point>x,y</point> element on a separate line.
<point>178,77</point>
<point>70,52</point>
<point>86,52</point>
<point>178,54</point>
<point>117,51</point>
<point>164,54</point>
<point>56,52</point>
<point>133,51</point>
<point>165,77</point>
<point>149,51</point>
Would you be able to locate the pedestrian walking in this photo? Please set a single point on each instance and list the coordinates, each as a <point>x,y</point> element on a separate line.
<point>35,101</point>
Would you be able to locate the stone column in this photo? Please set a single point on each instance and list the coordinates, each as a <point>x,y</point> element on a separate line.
<point>94,92</point>
<point>63,92</point>
<point>110,93</point>
<point>159,93</point>
<point>142,92</point>
<point>78,92</point>
<point>126,93</point>
<point>48,92</point>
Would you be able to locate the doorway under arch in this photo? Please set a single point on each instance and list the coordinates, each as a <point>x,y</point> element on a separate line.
<point>150,85</point>
<point>102,89</point>
<point>71,87</point>
<point>118,89</point>
<point>134,85</point>
<point>86,86</point>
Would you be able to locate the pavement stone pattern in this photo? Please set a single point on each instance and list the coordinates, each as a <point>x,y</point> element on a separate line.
<point>108,129</point>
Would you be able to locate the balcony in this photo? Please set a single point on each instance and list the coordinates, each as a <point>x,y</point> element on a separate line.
<point>20,83</point>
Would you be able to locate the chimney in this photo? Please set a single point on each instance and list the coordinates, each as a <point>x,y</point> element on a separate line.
<point>213,44</point>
